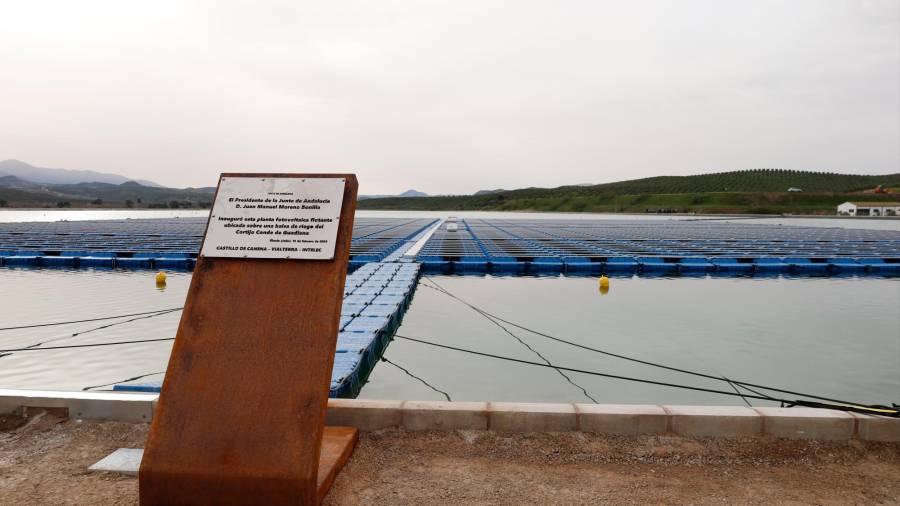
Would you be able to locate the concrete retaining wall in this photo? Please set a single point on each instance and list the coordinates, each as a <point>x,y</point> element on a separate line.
<point>617,419</point>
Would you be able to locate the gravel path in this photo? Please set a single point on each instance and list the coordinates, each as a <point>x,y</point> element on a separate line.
<point>44,461</point>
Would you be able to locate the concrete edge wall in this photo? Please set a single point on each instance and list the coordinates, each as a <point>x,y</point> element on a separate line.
<point>612,419</point>
<point>82,405</point>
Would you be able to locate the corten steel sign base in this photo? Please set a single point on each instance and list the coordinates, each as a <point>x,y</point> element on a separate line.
<point>241,416</point>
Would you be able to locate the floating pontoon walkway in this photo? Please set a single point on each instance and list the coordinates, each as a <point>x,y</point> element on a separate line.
<point>376,296</point>
<point>163,243</point>
<point>653,247</point>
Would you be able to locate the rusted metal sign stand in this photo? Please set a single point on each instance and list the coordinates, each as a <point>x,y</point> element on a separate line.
<point>242,412</point>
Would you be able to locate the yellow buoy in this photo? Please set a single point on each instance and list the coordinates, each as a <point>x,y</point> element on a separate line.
<point>160,278</point>
<point>604,285</point>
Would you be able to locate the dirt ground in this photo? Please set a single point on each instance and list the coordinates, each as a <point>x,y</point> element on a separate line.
<point>45,460</point>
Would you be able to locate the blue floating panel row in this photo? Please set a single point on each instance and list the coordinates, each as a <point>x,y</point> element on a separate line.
<point>162,259</point>
<point>664,246</point>
<point>374,239</point>
<point>665,229</point>
<point>376,296</point>
<point>660,265</point>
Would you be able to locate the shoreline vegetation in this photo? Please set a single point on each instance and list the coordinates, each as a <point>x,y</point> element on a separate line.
<point>757,191</point>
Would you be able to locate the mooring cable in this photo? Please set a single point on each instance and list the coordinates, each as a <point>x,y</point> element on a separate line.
<point>411,375</point>
<point>572,369</point>
<point>743,384</point>
<point>735,388</point>
<point>91,345</point>
<point>523,343</point>
<point>154,315</point>
<point>857,408</point>
<point>55,339</point>
<point>88,320</point>
<point>124,380</point>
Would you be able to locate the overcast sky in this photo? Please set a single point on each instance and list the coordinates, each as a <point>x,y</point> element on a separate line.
<point>450,97</point>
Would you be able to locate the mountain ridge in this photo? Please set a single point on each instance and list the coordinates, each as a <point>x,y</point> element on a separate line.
<point>28,172</point>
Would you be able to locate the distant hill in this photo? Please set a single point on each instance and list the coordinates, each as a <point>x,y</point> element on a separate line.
<point>16,192</point>
<point>15,182</point>
<point>34,174</point>
<point>406,194</point>
<point>757,190</point>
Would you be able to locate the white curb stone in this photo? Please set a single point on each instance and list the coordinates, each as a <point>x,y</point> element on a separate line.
<point>714,421</point>
<point>429,415</point>
<point>364,414</point>
<point>621,419</point>
<point>530,417</point>
<point>877,428</point>
<point>83,405</point>
<point>806,423</point>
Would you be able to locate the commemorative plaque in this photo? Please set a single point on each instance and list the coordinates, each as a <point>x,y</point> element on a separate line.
<point>272,217</point>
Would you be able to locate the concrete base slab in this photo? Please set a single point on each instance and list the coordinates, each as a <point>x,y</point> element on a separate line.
<point>122,461</point>
<point>337,446</point>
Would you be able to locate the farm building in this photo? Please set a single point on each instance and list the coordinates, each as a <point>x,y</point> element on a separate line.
<point>869,209</point>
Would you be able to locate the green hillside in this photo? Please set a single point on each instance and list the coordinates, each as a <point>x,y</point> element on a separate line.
<point>751,191</point>
<point>756,180</point>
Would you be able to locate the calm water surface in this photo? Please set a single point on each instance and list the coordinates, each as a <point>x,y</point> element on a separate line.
<point>837,337</point>
<point>834,336</point>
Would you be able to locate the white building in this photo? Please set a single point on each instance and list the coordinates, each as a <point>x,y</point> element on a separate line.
<point>869,209</point>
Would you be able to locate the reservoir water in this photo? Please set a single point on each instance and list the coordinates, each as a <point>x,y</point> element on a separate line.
<point>838,337</point>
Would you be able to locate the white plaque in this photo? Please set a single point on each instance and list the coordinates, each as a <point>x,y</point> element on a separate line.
<point>281,217</point>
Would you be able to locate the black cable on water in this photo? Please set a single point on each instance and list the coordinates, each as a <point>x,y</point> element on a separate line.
<point>88,320</point>
<point>411,375</point>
